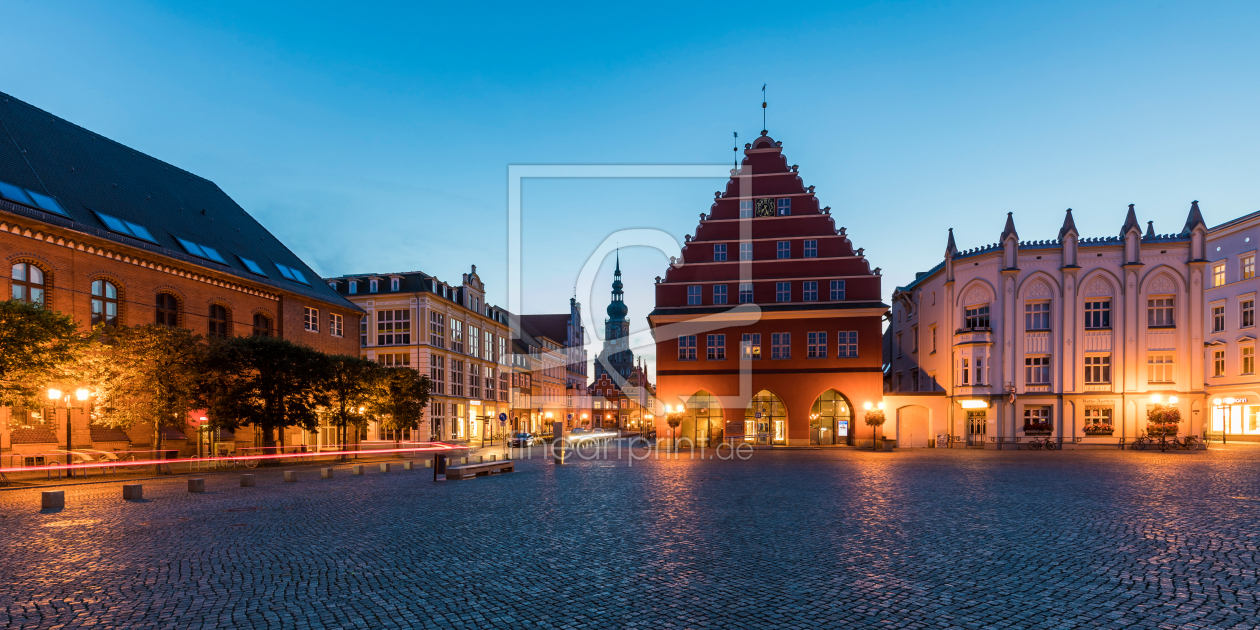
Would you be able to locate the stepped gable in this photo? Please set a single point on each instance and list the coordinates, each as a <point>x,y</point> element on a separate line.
<point>783,207</point>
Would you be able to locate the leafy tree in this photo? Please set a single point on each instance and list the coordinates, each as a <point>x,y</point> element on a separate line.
<point>36,347</point>
<point>268,382</point>
<point>350,388</point>
<point>874,419</point>
<point>673,420</point>
<point>399,399</point>
<point>144,374</point>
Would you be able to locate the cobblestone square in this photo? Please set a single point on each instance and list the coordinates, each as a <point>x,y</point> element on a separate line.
<point>786,539</point>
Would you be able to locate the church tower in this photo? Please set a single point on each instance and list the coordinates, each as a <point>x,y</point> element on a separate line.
<point>616,333</point>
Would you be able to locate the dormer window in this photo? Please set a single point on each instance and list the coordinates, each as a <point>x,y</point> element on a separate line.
<point>354,286</point>
<point>372,286</point>
<point>393,284</point>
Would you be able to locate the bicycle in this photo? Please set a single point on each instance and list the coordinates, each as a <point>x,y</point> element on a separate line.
<point>1190,442</point>
<point>132,464</point>
<point>1036,444</point>
<point>1140,442</point>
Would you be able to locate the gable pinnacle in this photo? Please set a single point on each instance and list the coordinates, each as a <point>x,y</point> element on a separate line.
<point>1194,220</point>
<point>1009,230</point>
<point>950,247</point>
<point>1068,225</point>
<point>1130,222</point>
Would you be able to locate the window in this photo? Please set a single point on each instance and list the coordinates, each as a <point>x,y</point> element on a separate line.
<point>745,251</point>
<point>457,377</point>
<point>399,359</point>
<point>783,249</point>
<point>310,319</point>
<point>933,340</point>
<point>1098,420</point>
<point>914,339</point>
<point>262,326</point>
<point>104,303</point>
<point>809,290</point>
<point>1248,265</point>
<point>687,348</point>
<point>503,356</point>
<point>209,253</point>
<point>1159,312</point>
<point>980,376</point>
<point>816,346</point>
<point>474,380</point>
<point>719,294</point>
<point>218,321</point>
<point>837,290</point>
<point>1218,363</point>
<point>1037,418</point>
<point>393,284</point>
<point>716,347</point>
<point>127,227</point>
<point>746,209</point>
<point>965,372</point>
<point>474,343</point>
<point>745,292</point>
<point>976,317</point>
<point>1218,274</point>
<point>1248,354</point>
<point>1218,318</point>
<point>167,310</point>
<point>373,285</point>
<point>914,380</point>
<point>1159,368</point>
<point>899,344</point>
<point>781,345</point>
<point>487,377</point>
<point>1098,369</point>
<point>1247,313</point>
<point>847,344</point>
<point>487,349</point>
<point>1037,316</point>
<point>336,325</point>
<point>393,327</point>
<point>783,292</point>
<point>1097,314</point>
<point>437,330</point>
<point>28,283</point>
<point>457,335</point>
<point>363,331</point>
<point>785,207</point>
<point>503,385</point>
<point>1037,370</point>
<point>693,295</point>
<point>750,346</point>
<point>719,252</point>
<point>811,249</point>
<point>354,287</point>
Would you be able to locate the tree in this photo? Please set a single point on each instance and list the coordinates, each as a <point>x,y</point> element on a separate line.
<point>399,398</point>
<point>144,374</point>
<point>874,418</point>
<point>350,386</point>
<point>1162,420</point>
<point>268,382</point>
<point>36,347</point>
<point>673,420</point>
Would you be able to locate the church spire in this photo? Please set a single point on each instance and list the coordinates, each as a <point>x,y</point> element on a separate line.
<point>617,308</point>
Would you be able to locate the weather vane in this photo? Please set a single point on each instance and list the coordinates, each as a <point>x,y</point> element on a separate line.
<point>763,109</point>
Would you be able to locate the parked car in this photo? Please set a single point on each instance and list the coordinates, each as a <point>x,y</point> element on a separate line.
<point>523,440</point>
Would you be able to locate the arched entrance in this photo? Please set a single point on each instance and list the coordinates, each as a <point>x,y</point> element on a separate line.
<point>765,419</point>
<point>703,420</point>
<point>831,419</point>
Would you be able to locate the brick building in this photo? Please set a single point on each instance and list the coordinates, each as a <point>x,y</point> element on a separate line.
<point>768,328</point>
<point>95,229</point>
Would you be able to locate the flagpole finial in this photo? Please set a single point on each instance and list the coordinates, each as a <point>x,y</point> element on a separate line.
<point>763,109</point>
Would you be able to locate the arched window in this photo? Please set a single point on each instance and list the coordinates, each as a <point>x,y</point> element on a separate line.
<point>28,283</point>
<point>262,325</point>
<point>219,320</point>
<point>393,284</point>
<point>167,310</point>
<point>104,303</point>
<point>372,286</point>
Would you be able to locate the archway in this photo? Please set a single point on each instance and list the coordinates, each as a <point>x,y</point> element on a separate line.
<point>831,419</point>
<point>702,421</point>
<point>765,419</point>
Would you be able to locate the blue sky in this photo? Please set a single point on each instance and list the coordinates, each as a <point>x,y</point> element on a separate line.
<point>377,137</point>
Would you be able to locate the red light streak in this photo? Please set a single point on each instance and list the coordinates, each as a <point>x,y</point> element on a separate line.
<point>432,448</point>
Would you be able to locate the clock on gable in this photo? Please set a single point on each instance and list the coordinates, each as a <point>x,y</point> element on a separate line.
<point>765,207</point>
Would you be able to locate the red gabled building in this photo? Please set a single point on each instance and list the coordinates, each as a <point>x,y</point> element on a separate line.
<point>768,329</point>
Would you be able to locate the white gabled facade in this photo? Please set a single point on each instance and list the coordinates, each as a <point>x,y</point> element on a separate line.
<point>1067,338</point>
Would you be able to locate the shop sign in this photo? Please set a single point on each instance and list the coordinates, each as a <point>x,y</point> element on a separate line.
<point>842,427</point>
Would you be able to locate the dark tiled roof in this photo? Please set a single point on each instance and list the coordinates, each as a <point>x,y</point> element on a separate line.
<point>552,326</point>
<point>171,433</point>
<point>107,434</point>
<point>36,435</point>
<point>86,172</point>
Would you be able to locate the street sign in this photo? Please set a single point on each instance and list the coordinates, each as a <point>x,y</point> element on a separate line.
<point>502,418</point>
<point>570,416</point>
<point>757,415</point>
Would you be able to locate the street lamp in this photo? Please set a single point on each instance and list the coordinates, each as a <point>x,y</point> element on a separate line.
<point>56,395</point>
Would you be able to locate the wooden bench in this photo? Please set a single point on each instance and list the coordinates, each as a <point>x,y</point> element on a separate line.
<point>476,470</point>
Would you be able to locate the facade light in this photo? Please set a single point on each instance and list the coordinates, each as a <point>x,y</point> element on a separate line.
<point>1216,402</point>
<point>82,393</point>
<point>881,406</point>
<point>1172,400</point>
<point>54,394</point>
<point>867,406</point>
<point>1155,398</point>
<point>974,404</point>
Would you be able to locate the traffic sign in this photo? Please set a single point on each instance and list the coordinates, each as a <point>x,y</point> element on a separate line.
<point>502,418</point>
<point>570,416</point>
<point>757,415</point>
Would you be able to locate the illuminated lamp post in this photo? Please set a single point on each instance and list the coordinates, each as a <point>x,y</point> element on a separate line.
<point>56,395</point>
<point>1226,418</point>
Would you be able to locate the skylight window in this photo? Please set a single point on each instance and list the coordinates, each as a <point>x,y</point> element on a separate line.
<point>30,198</point>
<point>201,251</point>
<point>252,266</point>
<point>291,273</point>
<point>125,227</point>
<point>13,193</point>
<point>47,203</point>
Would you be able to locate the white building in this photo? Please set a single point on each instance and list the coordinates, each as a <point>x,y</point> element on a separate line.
<point>1233,391</point>
<point>1066,338</point>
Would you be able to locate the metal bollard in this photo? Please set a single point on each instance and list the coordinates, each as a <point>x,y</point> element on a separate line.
<point>196,485</point>
<point>481,459</point>
<point>247,481</point>
<point>385,467</point>
<point>409,465</point>
<point>133,492</point>
<point>325,473</point>
<point>290,476</point>
<point>428,463</point>
<point>494,458</point>
<point>357,469</point>
<point>52,500</point>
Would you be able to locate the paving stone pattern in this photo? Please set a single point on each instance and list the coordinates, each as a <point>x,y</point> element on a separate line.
<point>797,539</point>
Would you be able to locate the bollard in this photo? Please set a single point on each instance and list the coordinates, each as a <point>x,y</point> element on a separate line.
<point>409,465</point>
<point>384,466</point>
<point>247,481</point>
<point>481,459</point>
<point>357,469</point>
<point>290,476</point>
<point>196,485</point>
<point>428,463</point>
<point>52,500</point>
<point>133,492</point>
<point>325,473</point>
<point>494,458</point>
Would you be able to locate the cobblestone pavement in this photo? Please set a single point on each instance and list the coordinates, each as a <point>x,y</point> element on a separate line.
<point>795,539</point>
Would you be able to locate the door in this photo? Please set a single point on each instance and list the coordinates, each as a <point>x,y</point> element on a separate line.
<point>976,428</point>
<point>912,427</point>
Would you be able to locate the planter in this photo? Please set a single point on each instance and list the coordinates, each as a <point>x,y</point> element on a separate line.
<point>1033,433</point>
<point>1099,433</point>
